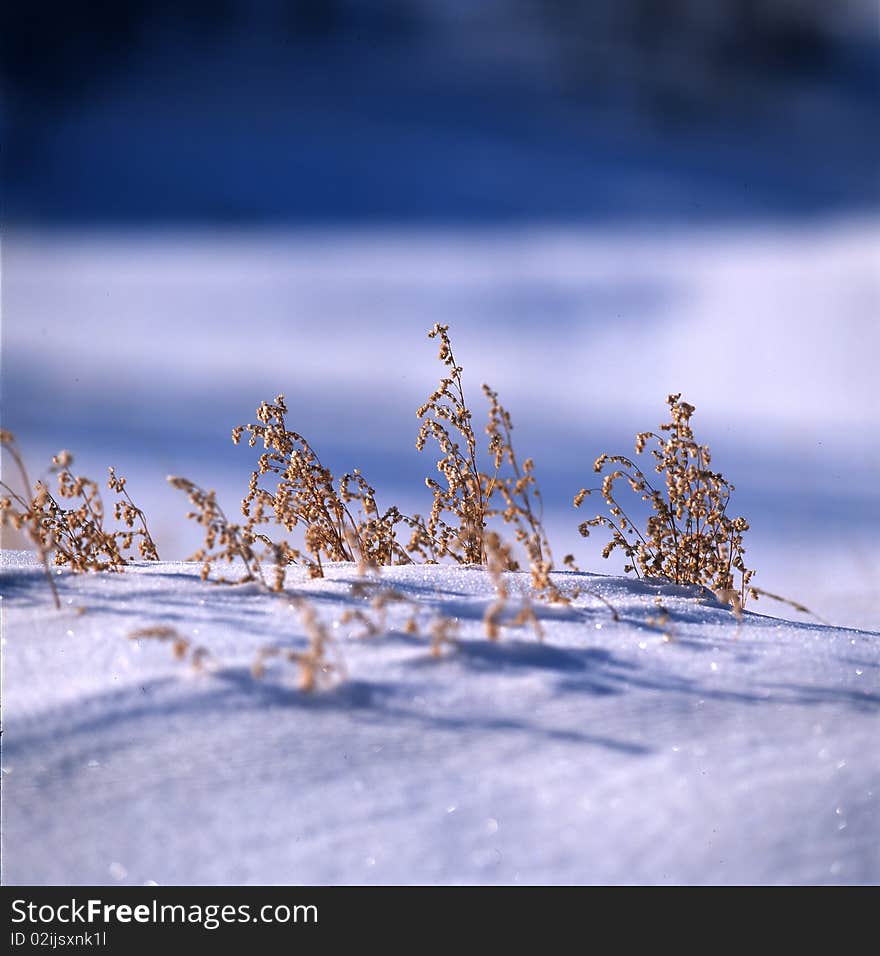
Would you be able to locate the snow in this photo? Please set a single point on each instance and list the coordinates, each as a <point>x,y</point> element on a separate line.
<point>700,750</point>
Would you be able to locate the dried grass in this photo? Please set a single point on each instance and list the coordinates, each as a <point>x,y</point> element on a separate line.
<point>458,513</point>
<point>290,490</point>
<point>502,612</point>
<point>228,542</point>
<point>182,648</point>
<point>316,671</point>
<point>73,534</point>
<point>296,512</point>
<point>688,537</point>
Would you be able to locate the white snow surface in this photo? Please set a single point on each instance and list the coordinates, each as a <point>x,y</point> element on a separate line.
<point>715,752</point>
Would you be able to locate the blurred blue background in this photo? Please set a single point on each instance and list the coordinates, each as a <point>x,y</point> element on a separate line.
<point>207,203</point>
<point>425,111</point>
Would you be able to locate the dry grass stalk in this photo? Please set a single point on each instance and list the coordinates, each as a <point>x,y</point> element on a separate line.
<point>182,647</point>
<point>24,513</point>
<point>689,537</point>
<point>571,564</point>
<point>340,523</point>
<point>458,514</point>
<point>498,561</point>
<point>522,504</point>
<point>464,503</point>
<point>733,598</point>
<point>440,629</point>
<point>126,511</point>
<point>315,669</point>
<point>760,592</point>
<point>443,632</point>
<point>374,618</point>
<point>227,541</point>
<point>73,534</point>
<point>662,621</point>
<point>523,508</point>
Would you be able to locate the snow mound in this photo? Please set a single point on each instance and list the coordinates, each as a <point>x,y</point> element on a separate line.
<point>674,745</point>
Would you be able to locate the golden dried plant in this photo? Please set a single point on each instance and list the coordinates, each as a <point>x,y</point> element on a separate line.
<point>373,617</point>
<point>462,502</point>
<point>182,647</point>
<point>470,499</point>
<point>340,521</point>
<point>688,537</point>
<point>73,534</point>
<point>522,506</point>
<point>227,541</point>
<point>458,514</point>
<point>316,671</point>
<point>443,631</point>
<point>126,511</point>
<point>25,513</point>
<point>499,613</point>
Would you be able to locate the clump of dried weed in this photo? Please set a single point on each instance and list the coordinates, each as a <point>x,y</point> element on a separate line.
<point>521,505</point>
<point>291,489</point>
<point>228,541</point>
<point>458,514</point>
<point>73,533</point>
<point>688,537</point>
<point>341,520</point>
<point>470,498</point>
